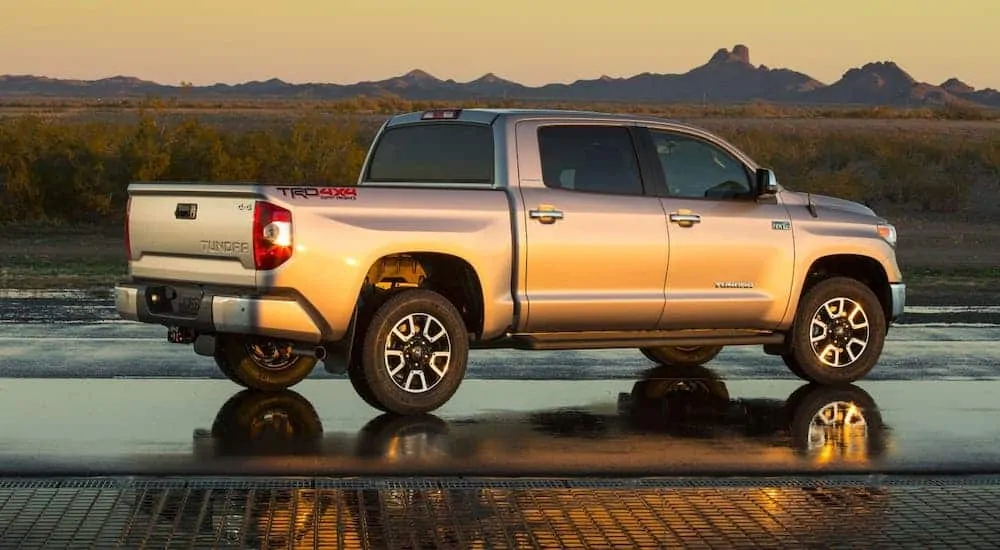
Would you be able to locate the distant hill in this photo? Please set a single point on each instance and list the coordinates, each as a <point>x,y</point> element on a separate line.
<point>727,77</point>
<point>885,83</point>
<point>986,96</point>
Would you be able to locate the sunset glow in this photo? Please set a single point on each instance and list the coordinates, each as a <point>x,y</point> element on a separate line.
<point>533,42</point>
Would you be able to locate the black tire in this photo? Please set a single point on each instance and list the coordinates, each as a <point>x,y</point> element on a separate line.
<point>356,374</point>
<point>681,356</point>
<point>794,366</point>
<point>245,358</point>
<point>227,369</point>
<point>434,390</point>
<point>845,332</point>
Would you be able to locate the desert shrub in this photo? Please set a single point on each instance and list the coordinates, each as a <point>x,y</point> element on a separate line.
<point>67,171</point>
<point>61,172</point>
<point>931,174</point>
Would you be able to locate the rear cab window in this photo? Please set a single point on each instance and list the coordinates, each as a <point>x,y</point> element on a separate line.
<point>433,152</point>
<point>594,159</point>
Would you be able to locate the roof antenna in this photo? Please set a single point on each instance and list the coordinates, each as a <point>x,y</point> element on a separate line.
<point>810,205</point>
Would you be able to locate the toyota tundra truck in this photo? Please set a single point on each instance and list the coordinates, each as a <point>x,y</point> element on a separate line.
<point>516,229</point>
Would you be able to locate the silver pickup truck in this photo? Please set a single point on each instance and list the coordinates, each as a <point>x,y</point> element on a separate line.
<point>520,229</point>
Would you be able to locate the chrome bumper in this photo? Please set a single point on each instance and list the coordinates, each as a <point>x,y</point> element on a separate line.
<point>125,302</point>
<point>898,294</point>
<point>277,317</point>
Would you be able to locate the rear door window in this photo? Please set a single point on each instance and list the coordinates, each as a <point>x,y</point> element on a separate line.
<point>435,152</point>
<point>596,159</point>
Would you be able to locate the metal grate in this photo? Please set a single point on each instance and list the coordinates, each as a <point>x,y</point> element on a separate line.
<point>869,512</point>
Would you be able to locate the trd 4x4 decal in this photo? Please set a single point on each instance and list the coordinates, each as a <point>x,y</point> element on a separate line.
<point>323,193</point>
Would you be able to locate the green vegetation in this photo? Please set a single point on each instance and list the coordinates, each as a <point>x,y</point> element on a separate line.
<point>58,171</point>
<point>70,173</point>
<point>902,172</point>
<point>64,167</point>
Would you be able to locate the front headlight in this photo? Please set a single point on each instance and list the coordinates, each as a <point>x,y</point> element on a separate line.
<point>887,232</point>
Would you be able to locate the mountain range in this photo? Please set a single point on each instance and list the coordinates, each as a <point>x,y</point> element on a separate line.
<point>727,77</point>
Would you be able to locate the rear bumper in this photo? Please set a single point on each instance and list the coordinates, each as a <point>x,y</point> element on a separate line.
<point>898,296</point>
<point>211,312</point>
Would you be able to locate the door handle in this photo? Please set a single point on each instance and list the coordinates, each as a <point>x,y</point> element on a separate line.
<point>545,214</point>
<point>685,219</point>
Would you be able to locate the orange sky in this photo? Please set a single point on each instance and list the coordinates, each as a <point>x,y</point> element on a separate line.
<point>531,41</point>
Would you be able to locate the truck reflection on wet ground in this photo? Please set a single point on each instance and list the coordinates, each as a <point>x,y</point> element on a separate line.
<point>819,423</point>
<point>666,405</point>
<point>672,459</point>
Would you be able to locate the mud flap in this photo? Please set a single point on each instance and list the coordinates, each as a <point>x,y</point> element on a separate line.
<point>205,344</point>
<point>338,357</point>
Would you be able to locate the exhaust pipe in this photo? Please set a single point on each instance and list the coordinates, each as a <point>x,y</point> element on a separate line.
<point>317,352</point>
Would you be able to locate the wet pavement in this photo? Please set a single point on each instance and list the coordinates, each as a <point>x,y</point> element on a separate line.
<point>96,395</point>
<point>76,335</point>
<point>663,425</point>
<point>588,449</point>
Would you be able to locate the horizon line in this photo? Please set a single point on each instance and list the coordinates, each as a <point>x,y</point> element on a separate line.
<point>483,75</point>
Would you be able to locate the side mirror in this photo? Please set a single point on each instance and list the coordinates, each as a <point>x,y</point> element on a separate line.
<point>767,182</point>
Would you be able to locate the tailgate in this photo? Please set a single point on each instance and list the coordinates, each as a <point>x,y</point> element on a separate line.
<point>199,233</point>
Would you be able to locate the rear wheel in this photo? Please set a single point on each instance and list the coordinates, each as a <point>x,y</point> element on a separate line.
<point>839,332</point>
<point>364,390</point>
<point>262,363</point>
<point>415,353</point>
<point>681,356</point>
<point>227,369</point>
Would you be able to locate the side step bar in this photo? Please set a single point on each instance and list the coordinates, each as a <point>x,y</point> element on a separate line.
<point>634,339</point>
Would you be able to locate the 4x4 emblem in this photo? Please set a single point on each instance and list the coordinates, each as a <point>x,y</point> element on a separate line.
<point>781,225</point>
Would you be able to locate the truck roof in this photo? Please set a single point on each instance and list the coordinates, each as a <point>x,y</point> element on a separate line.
<point>489,115</point>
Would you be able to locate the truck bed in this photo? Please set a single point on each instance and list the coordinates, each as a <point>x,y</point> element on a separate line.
<point>204,234</point>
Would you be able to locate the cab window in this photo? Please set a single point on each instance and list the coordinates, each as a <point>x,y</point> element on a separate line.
<point>696,169</point>
<point>596,159</point>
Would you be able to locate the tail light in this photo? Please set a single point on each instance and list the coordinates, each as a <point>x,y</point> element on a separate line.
<point>128,239</point>
<point>272,235</point>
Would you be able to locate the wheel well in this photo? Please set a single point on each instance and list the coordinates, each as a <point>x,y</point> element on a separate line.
<point>450,276</point>
<point>861,268</point>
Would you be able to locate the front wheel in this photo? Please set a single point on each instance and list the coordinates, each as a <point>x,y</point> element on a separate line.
<point>415,353</point>
<point>261,363</point>
<point>681,356</point>
<point>839,332</point>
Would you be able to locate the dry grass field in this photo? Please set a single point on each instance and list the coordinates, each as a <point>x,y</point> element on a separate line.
<point>936,177</point>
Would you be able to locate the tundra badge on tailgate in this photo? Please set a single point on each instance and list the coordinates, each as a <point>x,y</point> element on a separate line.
<point>225,248</point>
